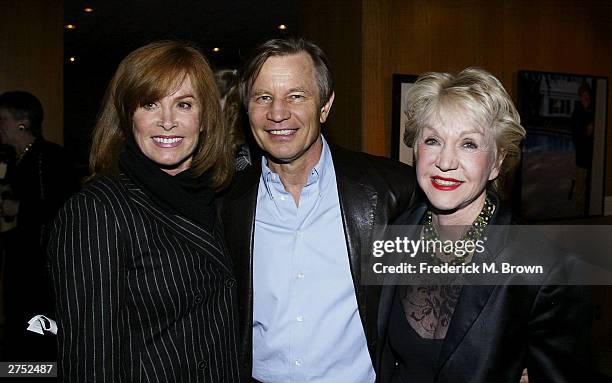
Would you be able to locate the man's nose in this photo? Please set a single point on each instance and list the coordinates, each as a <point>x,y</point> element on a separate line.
<point>278,111</point>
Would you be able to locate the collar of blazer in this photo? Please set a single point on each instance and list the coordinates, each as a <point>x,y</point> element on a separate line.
<point>473,297</point>
<point>203,240</point>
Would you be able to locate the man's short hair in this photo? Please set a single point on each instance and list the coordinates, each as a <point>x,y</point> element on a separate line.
<point>286,47</point>
<point>24,106</point>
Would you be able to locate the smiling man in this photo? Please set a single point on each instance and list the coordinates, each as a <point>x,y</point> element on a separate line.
<point>295,223</point>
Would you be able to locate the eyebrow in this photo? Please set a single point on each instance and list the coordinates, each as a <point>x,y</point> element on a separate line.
<point>299,89</point>
<point>258,91</point>
<point>462,133</point>
<point>188,95</point>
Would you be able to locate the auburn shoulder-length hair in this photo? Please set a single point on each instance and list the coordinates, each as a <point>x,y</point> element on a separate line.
<point>151,73</point>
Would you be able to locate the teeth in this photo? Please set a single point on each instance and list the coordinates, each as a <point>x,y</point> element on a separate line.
<point>284,132</point>
<point>445,183</point>
<point>167,140</point>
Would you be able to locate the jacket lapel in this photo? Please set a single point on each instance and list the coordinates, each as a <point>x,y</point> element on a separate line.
<point>357,199</point>
<point>239,212</point>
<point>474,297</point>
<point>469,307</point>
<point>412,219</point>
<point>196,236</point>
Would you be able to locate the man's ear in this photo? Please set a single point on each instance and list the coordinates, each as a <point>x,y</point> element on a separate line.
<point>326,108</point>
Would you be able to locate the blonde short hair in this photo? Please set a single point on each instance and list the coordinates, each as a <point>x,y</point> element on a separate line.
<point>475,92</point>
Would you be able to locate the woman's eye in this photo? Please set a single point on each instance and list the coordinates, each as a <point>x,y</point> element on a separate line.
<point>470,145</point>
<point>430,141</point>
<point>184,105</point>
<point>148,105</point>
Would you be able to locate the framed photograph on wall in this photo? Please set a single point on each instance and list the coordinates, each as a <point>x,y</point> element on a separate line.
<point>401,84</point>
<point>564,154</point>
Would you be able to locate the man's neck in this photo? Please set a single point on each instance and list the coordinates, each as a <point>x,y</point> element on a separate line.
<point>294,174</point>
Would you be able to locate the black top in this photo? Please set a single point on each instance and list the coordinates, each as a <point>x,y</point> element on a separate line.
<point>41,181</point>
<point>416,356</point>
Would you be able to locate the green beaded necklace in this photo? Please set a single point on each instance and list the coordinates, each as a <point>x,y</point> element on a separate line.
<point>474,233</point>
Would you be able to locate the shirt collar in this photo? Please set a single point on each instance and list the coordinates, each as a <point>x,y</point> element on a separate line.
<point>318,177</point>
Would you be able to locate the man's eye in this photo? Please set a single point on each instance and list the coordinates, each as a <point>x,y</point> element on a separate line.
<point>296,96</point>
<point>263,98</point>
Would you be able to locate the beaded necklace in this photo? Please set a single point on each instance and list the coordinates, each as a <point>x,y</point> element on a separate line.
<point>474,233</point>
<point>24,152</point>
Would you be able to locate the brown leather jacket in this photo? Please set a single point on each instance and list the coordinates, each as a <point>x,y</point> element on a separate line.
<point>372,191</point>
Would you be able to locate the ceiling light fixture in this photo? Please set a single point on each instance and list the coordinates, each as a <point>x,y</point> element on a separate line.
<point>216,49</point>
<point>282,27</point>
<point>88,9</point>
<point>72,59</point>
<point>70,26</point>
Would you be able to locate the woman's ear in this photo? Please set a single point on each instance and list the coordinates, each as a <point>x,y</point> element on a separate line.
<point>497,164</point>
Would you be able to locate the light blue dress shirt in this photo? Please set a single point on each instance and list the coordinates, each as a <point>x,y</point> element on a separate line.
<point>306,325</point>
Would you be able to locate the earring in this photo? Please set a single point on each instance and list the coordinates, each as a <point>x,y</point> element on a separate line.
<point>21,127</point>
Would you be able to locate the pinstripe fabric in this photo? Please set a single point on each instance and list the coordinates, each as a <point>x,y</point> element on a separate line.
<point>141,296</point>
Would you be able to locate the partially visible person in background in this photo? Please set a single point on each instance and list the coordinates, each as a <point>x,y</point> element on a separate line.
<point>227,81</point>
<point>583,120</point>
<point>40,179</point>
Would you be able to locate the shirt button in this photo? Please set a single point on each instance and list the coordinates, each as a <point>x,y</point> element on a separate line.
<point>229,283</point>
<point>283,198</point>
<point>298,362</point>
<point>299,318</point>
<point>202,365</point>
<point>299,233</point>
<point>300,275</point>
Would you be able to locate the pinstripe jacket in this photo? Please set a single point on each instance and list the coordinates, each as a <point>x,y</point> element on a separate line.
<point>141,295</point>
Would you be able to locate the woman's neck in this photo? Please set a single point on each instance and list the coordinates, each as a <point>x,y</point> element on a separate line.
<point>463,216</point>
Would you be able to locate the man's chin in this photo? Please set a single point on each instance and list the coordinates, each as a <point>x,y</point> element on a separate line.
<point>281,158</point>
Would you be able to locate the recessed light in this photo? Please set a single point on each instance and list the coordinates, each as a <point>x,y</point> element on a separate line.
<point>70,26</point>
<point>72,59</point>
<point>282,27</point>
<point>88,9</point>
<point>216,49</point>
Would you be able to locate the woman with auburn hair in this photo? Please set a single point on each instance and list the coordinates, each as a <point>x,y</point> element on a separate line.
<point>143,285</point>
<point>475,327</point>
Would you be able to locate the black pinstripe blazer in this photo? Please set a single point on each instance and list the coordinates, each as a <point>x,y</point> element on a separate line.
<point>141,295</point>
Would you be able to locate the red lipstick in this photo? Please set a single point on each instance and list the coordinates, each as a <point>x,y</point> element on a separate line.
<point>446,184</point>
